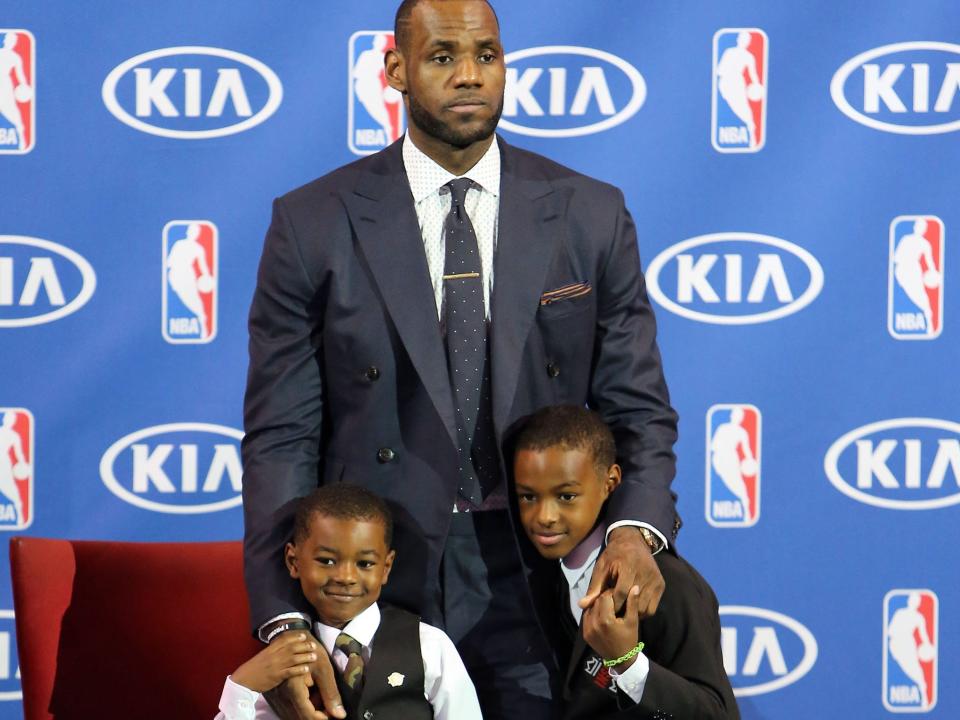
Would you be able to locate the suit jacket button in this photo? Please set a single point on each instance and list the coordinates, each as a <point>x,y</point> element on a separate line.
<point>368,715</point>
<point>385,455</point>
<point>372,373</point>
<point>553,370</point>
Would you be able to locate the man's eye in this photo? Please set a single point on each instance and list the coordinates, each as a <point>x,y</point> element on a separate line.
<point>487,58</point>
<point>442,59</point>
<point>527,498</point>
<point>568,497</point>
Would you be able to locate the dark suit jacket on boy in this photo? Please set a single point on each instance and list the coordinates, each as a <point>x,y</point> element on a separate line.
<point>682,641</point>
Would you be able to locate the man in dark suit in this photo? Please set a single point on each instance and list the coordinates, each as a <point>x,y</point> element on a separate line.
<point>356,371</point>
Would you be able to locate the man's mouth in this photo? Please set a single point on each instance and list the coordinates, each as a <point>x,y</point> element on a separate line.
<point>467,105</point>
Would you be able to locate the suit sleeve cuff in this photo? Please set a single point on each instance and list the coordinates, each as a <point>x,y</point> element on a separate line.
<point>263,630</point>
<point>633,680</point>
<point>635,523</point>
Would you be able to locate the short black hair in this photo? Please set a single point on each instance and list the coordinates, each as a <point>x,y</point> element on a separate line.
<point>345,502</point>
<point>401,21</point>
<point>572,427</point>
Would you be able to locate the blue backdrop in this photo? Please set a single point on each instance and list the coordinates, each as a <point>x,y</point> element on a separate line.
<point>792,170</point>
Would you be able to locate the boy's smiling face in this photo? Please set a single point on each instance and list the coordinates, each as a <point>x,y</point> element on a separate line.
<point>560,492</point>
<point>342,565</point>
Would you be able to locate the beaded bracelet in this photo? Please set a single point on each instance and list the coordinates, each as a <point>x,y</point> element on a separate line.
<point>624,657</point>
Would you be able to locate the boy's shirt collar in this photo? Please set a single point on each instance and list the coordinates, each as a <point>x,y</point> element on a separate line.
<point>577,567</point>
<point>362,629</point>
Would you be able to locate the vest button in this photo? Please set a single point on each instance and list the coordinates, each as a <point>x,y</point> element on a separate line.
<point>372,373</point>
<point>553,370</point>
<point>385,455</point>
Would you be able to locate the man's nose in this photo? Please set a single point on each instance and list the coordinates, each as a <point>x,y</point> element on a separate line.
<point>468,73</point>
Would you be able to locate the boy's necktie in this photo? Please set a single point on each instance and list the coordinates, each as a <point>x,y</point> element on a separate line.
<point>465,326</point>
<point>353,672</point>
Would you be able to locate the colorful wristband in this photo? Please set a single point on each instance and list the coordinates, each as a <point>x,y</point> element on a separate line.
<point>624,657</point>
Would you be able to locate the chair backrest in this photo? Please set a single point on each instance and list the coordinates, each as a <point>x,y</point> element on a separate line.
<point>127,630</point>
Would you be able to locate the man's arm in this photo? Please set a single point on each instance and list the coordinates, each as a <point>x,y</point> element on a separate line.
<point>283,410</point>
<point>628,389</point>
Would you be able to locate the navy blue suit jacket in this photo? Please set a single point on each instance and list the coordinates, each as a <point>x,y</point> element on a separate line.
<point>348,377</point>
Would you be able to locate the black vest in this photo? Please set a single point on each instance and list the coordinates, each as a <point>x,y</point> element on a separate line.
<point>396,652</point>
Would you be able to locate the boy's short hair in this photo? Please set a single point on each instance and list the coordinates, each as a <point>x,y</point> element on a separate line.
<point>570,426</point>
<point>345,502</point>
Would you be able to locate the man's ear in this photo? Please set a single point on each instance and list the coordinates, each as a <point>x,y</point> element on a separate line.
<point>290,558</point>
<point>612,480</point>
<point>395,70</point>
<point>388,565</point>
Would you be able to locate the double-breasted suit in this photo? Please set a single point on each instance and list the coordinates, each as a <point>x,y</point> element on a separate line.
<point>348,377</point>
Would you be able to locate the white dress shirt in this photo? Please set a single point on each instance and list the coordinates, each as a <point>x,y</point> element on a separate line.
<point>446,685</point>
<point>577,568</point>
<point>431,199</point>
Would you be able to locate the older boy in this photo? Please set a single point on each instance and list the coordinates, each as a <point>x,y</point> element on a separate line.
<point>390,664</point>
<point>564,470</point>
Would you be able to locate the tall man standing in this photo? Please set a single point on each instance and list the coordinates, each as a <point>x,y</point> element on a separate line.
<point>410,308</point>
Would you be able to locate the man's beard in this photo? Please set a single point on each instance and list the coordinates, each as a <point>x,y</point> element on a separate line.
<point>434,127</point>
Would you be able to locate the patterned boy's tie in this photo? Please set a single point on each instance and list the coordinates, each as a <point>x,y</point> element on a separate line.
<point>353,673</point>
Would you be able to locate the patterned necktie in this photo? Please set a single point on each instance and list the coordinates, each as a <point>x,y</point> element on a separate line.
<point>465,330</point>
<point>353,672</point>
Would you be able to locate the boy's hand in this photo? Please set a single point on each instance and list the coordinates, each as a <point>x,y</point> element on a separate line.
<point>611,636</point>
<point>626,562</point>
<point>291,699</point>
<point>284,658</point>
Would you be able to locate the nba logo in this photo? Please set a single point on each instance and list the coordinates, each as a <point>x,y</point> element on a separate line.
<point>910,650</point>
<point>915,295</point>
<point>733,466</point>
<point>189,281</point>
<point>739,90</point>
<point>17,101</point>
<point>16,468</point>
<point>375,110</point>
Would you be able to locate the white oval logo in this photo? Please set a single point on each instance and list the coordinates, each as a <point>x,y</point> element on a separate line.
<point>767,649</point>
<point>573,91</point>
<point>912,94</point>
<point>179,92</point>
<point>900,464</point>
<point>175,468</point>
<point>740,279</point>
<point>41,281</point>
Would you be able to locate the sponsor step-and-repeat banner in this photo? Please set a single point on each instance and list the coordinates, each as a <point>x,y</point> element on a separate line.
<point>793,175</point>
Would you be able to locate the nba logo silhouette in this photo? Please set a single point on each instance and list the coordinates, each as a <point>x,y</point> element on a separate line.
<point>739,90</point>
<point>16,468</point>
<point>189,281</point>
<point>733,465</point>
<point>17,97</point>
<point>910,649</point>
<point>915,295</point>
<point>375,110</point>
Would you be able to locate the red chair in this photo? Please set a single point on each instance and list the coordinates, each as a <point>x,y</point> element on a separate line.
<point>127,630</point>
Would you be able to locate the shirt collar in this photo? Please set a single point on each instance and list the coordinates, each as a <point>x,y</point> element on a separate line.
<point>426,176</point>
<point>582,558</point>
<point>362,629</point>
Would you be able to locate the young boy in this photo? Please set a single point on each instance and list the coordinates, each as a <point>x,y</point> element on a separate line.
<point>390,664</point>
<point>564,470</point>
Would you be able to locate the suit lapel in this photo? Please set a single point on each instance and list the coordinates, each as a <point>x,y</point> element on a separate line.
<point>528,232</point>
<point>381,210</point>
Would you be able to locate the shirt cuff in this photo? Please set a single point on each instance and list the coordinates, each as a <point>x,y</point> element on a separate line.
<point>238,702</point>
<point>635,523</point>
<point>633,680</point>
<point>262,630</point>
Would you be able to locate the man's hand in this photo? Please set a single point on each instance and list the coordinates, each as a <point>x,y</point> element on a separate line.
<point>626,562</point>
<point>611,636</point>
<point>291,699</point>
<point>288,657</point>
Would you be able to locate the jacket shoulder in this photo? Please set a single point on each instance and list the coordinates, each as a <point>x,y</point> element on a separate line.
<point>533,166</point>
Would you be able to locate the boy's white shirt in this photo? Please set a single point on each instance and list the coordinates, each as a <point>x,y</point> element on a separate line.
<point>577,569</point>
<point>446,685</point>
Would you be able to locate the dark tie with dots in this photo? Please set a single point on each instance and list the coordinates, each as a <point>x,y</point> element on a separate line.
<point>466,339</point>
<point>353,672</point>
